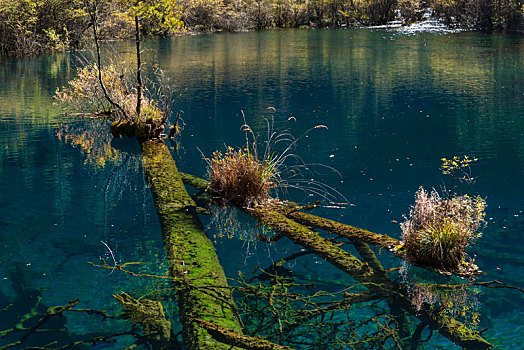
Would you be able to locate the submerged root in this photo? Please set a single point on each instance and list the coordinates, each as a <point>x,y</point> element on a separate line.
<point>150,315</point>
<point>227,336</point>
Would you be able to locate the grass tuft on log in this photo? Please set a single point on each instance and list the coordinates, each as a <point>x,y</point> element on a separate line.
<point>438,229</point>
<point>238,177</point>
<point>249,175</point>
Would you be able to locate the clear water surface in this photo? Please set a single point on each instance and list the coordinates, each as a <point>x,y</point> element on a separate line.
<point>393,105</point>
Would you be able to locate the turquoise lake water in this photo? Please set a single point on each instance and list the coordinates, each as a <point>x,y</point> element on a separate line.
<point>391,106</point>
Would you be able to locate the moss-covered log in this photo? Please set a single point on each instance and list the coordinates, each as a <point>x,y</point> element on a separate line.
<point>281,220</point>
<point>190,253</point>
<point>150,315</point>
<point>233,338</point>
<point>351,232</point>
<point>144,130</point>
<point>290,210</point>
<point>375,280</point>
<point>194,181</point>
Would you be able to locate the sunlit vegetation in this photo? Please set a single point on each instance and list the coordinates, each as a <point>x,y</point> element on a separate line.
<point>440,228</point>
<point>481,14</point>
<point>239,177</point>
<point>121,94</point>
<point>30,26</point>
<point>239,15</point>
<point>245,176</point>
<point>267,163</point>
<point>85,95</point>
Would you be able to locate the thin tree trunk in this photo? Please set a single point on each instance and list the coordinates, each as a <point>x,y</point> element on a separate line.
<point>94,19</point>
<point>138,70</point>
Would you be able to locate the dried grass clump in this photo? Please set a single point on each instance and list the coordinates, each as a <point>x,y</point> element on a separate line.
<point>238,177</point>
<point>439,230</point>
<point>245,177</point>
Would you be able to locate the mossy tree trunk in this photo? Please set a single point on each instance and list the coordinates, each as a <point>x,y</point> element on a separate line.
<point>191,255</point>
<point>350,232</point>
<point>370,273</point>
<point>374,279</point>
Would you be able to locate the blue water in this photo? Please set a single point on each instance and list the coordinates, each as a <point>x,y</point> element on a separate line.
<point>393,105</point>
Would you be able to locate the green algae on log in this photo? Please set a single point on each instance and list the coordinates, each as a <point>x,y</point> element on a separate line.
<point>369,274</point>
<point>375,280</point>
<point>350,232</point>
<point>236,339</point>
<point>290,210</point>
<point>293,211</point>
<point>191,255</point>
<point>150,315</point>
<point>194,181</point>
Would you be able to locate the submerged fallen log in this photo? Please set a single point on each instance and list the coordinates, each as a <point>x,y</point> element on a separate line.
<point>191,255</point>
<point>150,315</point>
<point>376,281</point>
<point>292,211</point>
<point>233,338</point>
<point>370,274</point>
<point>343,230</point>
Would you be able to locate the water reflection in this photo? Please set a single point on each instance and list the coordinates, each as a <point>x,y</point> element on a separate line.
<point>60,197</point>
<point>362,74</point>
<point>394,105</point>
<point>230,223</point>
<point>93,140</point>
<point>451,298</point>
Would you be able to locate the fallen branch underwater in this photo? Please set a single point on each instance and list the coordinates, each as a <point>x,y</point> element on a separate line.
<point>150,315</point>
<point>377,282</point>
<point>293,212</point>
<point>38,320</point>
<point>236,339</point>
<point>279,218</point>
